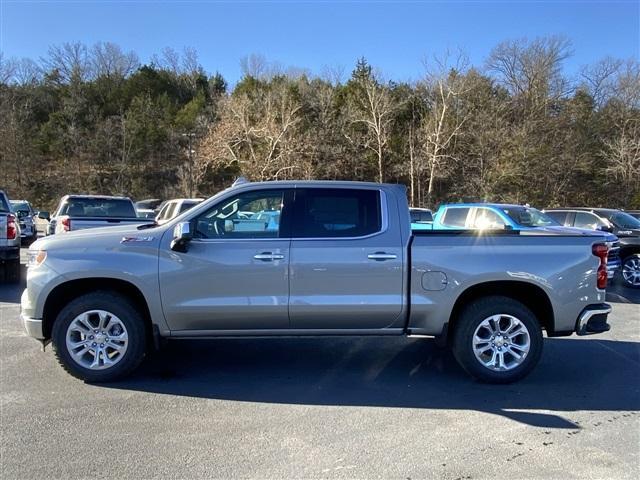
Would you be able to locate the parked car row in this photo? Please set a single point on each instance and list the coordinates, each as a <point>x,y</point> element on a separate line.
<point>623,228</point>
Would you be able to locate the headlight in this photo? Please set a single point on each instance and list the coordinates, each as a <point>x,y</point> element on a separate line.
<point>36,257</point>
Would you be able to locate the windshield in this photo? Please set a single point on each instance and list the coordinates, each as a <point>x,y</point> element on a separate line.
<point>530,217</point>
<point>623,220</point>
<point>98,207</point>
<point>20,206</point>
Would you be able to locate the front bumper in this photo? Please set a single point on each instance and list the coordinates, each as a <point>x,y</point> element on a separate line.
<point>32,326</point>
<point>593,320</point>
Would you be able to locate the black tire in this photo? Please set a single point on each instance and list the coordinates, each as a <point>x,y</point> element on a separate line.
<point>632,259</point>
<point>472,316</point>
<point>126,311</point>
<point>11,271</point>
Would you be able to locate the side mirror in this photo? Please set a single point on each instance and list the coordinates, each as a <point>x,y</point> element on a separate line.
<point>44,215</point>
<point>181,237</point>
<point>605,228</point>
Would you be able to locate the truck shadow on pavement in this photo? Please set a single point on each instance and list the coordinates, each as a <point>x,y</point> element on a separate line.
<point>573,375</point>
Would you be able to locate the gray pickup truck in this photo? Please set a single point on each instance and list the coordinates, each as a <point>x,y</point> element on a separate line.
<point>9,242</point>
<point>79,212</point>
<point>311,258</point>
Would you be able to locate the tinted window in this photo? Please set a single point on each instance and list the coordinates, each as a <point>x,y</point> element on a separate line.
<point>623,220</point>
<point>487,219</point>
<point>588,221</point>
<point>247,215</point>
<point>420,216</point>
<point>559,217</point>
<point>529,217</point>
<point>3,204</point>
<point>187,205</point>
<point>98,207</point>
<point>323,212</point>
<point>21,207</point>
<point>455,217</point>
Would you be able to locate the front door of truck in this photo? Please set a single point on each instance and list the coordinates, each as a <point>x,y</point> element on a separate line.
<point>346,260</point>
<point>235,273</point>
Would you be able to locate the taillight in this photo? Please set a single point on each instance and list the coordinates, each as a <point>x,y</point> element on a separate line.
<point>12,229</point>
<point>66,224</point>
<point>601,251</point>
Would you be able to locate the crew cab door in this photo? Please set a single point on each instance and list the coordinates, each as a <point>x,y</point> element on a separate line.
<point>346,260</point>
<point>235,272</point>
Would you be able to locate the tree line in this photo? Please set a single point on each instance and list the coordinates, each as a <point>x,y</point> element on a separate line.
<point>515,129</point>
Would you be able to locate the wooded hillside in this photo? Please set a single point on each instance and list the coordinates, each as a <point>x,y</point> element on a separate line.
<point>514,129</point>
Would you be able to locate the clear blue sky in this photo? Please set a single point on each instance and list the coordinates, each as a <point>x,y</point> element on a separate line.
<point>393,35</point>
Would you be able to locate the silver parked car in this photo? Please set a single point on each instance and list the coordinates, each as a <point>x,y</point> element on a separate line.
<point>312,258</point>
<point>26,216</point>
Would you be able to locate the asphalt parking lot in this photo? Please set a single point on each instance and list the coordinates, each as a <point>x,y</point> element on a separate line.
<point>331,408</point>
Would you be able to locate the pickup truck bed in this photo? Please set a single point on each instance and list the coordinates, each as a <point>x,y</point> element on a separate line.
<point>341,260</point>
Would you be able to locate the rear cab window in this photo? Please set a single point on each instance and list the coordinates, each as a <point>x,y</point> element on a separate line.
<point>337,213</point>
<point>98,207</point>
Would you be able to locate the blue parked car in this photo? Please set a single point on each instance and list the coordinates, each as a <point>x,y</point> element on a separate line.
<point>490,216</point>
<point>498,216</point>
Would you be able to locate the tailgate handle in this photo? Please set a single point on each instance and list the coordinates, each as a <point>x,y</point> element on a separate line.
<point>268,256</point>
<point>381,256</point>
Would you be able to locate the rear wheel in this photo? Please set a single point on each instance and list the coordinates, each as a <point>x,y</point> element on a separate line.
<point>631,271</point>
<point>497,340</point>
<point>99,337</point>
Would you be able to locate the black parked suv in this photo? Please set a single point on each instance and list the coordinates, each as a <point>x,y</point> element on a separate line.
<point>624,226</point>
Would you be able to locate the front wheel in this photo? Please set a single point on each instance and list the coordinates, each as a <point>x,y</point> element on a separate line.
<point>631,271</point>
<point>99,337</point>
<point>497,340</point>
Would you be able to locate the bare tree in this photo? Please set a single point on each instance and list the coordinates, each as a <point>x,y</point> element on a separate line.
<point>532,70</point>
<point>444,85</point>
<point>256,134</point>
<point>8,68</point>
<point>371,107</point>
<point>622,154</point>
<point>110,61</point>
<point>70,61</point>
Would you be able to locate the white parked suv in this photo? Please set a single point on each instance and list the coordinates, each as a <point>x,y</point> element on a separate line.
<point>173,208</point>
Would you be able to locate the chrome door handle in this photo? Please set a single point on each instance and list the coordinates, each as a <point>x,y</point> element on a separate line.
<point>380,256</point>
<point>268,256</point>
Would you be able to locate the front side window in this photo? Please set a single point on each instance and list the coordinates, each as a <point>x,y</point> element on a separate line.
<point>530,217</point>
<point>455,217</point>
<point>624,220</point>
<point>254,214</point>
<point>588,221</point>
<point>337,212</point>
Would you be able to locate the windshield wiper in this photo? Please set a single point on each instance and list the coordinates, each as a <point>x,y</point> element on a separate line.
<point>145,226</point>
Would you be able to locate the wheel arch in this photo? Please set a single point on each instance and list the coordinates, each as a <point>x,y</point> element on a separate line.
<point>64,293</point>
<point>529,294</point>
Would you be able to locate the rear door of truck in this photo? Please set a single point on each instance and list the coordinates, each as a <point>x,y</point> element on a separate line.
<point>346,269</point>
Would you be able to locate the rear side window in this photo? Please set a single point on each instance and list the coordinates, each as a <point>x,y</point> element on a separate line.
<point>560,217</point>
<point>337,212</point>
<point>455,217</point>
<point>588,221</point>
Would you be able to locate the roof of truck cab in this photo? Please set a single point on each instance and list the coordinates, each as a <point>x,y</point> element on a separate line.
<point>583,209</point>
<point>103,197</point>
<point>327,183</point>
<point>480,204</point>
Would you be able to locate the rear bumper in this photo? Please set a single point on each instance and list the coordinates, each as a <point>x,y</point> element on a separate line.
<point>32,326</point>
<point>593,320</point>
